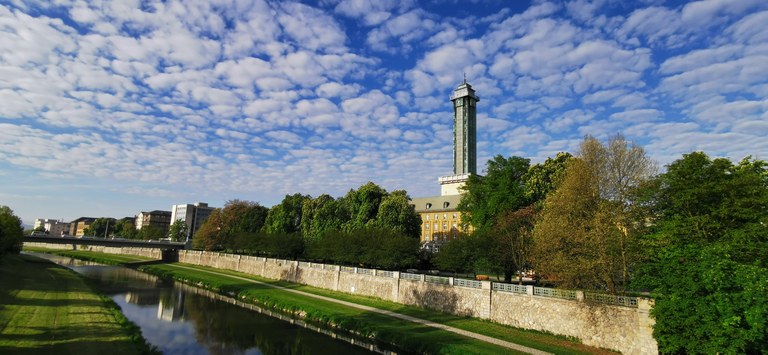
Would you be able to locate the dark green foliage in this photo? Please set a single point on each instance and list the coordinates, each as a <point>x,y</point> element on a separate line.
<point>244,216</point>
<point>151,232</point>
<point>543,178</point>
<point>285,218</point>
<point>101,227</point>
<point>284,246</point>
<point>370,247</point>
<point>502,189</point>
<point>465,254</point>
<point>707,265</point>
<point>11,232</point>
<point>396,214</point>
<point>125,228</point>
<point>322,214</point>
<point>363,205</point>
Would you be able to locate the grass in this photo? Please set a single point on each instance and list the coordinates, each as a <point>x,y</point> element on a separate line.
<point>102,258</point>
<point>411,337</point>
<point>48,309</point>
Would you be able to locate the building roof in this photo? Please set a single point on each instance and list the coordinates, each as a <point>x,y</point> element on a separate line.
<point>157,212</point>
<point>436,203</point>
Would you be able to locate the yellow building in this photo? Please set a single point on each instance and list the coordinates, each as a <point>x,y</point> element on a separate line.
<point>439,219</point>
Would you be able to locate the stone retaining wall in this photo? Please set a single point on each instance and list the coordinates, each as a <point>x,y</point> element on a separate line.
<point>625,329</point>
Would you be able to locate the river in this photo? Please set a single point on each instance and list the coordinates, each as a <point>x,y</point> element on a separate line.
<point>180,319</point>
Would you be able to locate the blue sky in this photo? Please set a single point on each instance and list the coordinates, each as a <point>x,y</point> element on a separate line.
<point>108,108</point>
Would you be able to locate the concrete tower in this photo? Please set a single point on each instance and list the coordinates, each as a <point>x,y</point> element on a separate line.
<point>464,139</point>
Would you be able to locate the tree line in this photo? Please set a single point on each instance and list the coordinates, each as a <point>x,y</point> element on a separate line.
<point>367,227</point>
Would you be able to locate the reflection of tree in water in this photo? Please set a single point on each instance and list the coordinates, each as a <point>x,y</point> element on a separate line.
<point>228,329</point>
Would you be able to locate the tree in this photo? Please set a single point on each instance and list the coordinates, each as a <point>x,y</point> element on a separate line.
<point>462,255</point>
<point>363,205</point>
<point>101,227</point>
<point>11,232</point>
<point>285,218</point>
<point>125,228</point>
<point>151,232</point>
<point>396,214</point>
<point>211,235</point>
<point>510,241</point>
<point>587,234</point>
<point>244,216</point>
<point>543,178</point>
<point>322,214</point>
<point>502,189</point>
<point>178,231</point>
<point>707,244</point>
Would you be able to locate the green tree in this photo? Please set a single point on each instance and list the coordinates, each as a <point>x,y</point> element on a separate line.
<point>543,178</point>
<point>587,234</point>
<point>363,205</point>
<point>125,228</point>
<point>101,227</point>
<point>151,232</point>
<point>396,214</point>
<point>178,231</point>
<point>462,255</point>
<point>707,268</point>
<point>11,232</point>
<point>502,189</point>
<point>244,216</point>
<point>322,214</point>
<point>285,218</point>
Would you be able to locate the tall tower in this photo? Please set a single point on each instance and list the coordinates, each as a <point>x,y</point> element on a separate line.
<point>464,139</point>
<point>464,129</point>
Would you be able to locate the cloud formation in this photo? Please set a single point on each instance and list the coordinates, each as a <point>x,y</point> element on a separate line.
<point>177,101</point>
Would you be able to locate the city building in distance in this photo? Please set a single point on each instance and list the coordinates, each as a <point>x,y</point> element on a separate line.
<point>194,215</point>
<point>440,221</point>
<point>156,218</point>
<point>52,227</point>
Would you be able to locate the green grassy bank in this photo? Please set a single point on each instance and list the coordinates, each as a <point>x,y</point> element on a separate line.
<point>410,336</point>
<point>49,309</point>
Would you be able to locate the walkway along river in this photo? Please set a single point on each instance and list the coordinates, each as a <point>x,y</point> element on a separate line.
<point>178,318</point>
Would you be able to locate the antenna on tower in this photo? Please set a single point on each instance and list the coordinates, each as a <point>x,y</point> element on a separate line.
<point>465,77</point>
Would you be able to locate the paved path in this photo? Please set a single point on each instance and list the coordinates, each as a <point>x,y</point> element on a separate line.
<point>482,337</point>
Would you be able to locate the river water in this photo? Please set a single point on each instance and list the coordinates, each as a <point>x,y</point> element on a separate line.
<point>180,319</point>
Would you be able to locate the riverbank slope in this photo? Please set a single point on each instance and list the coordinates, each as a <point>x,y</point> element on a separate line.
<point>48,309</point>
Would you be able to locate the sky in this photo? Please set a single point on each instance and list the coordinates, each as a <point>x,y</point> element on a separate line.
<point>109,108</point>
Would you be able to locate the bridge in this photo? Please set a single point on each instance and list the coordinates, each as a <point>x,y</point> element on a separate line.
<point>170,249</point>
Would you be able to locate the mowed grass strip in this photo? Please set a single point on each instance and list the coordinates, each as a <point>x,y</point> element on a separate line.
<point>48,309</point>
<point>529,338</point>
<point>102,258</point>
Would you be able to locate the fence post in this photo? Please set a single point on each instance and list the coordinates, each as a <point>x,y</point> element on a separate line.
<point>580,296</point>
<point>396,289</point>
<point>336,278</point>
<point>529,290</point>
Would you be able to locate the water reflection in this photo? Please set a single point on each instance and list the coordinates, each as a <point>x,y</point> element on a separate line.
<point>180,319</point>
